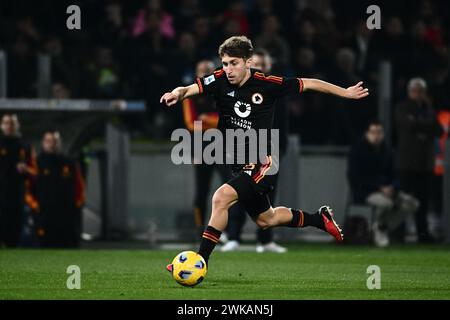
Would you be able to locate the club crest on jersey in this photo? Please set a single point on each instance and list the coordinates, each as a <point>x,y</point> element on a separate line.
<point>242,109</point>
<point>209,79</point>
<point>257,98</point>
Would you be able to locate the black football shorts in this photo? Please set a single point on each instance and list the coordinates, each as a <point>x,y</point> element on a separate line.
<point>252,183</point>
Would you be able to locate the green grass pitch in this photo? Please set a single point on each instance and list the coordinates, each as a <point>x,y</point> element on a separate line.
<point>305,272</point>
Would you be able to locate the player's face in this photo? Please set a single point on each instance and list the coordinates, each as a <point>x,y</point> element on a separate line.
<point>235,68</point>
<point>375,134</point>
<point>8,126</point>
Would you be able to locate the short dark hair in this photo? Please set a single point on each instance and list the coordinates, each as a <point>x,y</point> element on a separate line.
<point>237,46</point>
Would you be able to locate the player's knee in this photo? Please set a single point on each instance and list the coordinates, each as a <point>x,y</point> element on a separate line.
<point>224,197</point>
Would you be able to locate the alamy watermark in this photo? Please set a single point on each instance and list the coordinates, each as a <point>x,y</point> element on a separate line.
<point>234,146</point>
<point>374,20</point>
<point>74,280</point>
<point>74,20</point>
<point>374,279</point>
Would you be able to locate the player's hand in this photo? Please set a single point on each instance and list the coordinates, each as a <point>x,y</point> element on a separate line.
<point>169,98</point>
<point>357,91</point>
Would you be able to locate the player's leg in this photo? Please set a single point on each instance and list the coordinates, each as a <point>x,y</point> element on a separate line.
<point>252,192</point>
<point>236,214</point>
<point>264,238</point>
<point>282,216</point>
<point>263,180</point>
<point>222,200</point>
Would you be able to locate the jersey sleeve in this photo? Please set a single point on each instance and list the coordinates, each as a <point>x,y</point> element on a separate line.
<point>289,86</point>
<point>281,86</point>
<point>210,84</point>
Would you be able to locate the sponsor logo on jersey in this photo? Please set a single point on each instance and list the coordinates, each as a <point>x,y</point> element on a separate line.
<point>209,79</point>
<point>242,109</point>
<point>231,94</point>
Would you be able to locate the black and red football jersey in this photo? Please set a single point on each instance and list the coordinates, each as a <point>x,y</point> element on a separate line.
<point>250,106</point>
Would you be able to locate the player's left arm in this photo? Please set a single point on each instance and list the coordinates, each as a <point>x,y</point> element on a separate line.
<point>354,92</point>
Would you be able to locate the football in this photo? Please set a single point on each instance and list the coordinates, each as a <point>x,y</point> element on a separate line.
<point>188,268</point>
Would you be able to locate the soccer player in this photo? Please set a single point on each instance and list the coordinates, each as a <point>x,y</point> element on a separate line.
<point>234,86</point>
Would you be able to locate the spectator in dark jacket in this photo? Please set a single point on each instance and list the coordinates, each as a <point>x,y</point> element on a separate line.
<point>372,181</point>
<point>417,128</point>
<point>59,193</point>
<point>16,162</point>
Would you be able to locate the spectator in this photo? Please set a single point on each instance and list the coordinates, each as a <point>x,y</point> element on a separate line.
<point>103,78</point>
<point>277,46</point>
<point>61,64</point>
<point>112,29</point>
<point>360,42</point>
<point>15,163</point>
<point>346,73</point>
<point>59,193</point>
<point>307,111</point>
<point>423,56</point>
<point>185,58</point>
<point>372,181</point>
<point>261,9</point>
<point>391,44</point>
<point>185,12</point>
<point>348,114</point>
<point>206,40</point>
<point>147,16</point>
<point>236,13</point>
<point>60,91</point>
<point>304,63</point>
<point>417,128</point>
<point>21,70</point>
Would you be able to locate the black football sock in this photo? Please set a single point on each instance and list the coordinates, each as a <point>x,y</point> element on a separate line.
<point>302,219</point>
<point>209,240</point>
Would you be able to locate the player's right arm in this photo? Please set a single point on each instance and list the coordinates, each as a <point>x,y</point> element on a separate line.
<point>179,94</point>
<point>208,84</point>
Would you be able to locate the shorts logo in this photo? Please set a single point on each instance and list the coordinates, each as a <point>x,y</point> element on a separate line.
<point>209,79</point>
<point>257,98</point>
<point>242,109</point>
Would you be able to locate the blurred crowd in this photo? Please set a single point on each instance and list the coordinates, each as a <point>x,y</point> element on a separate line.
<point>41,195</point>
<point>139,49</point>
